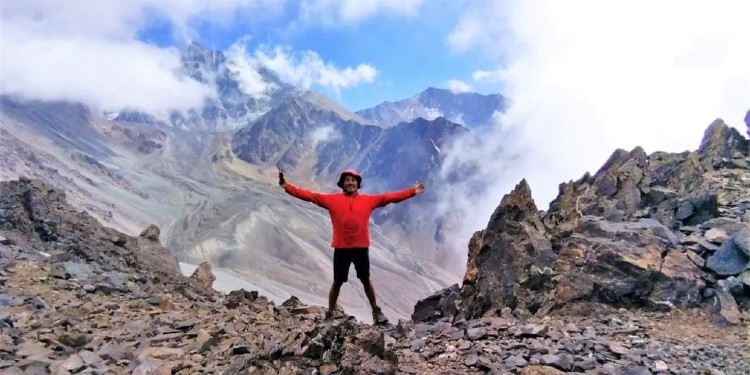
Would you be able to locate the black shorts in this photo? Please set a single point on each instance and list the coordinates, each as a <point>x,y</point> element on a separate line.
<point>342,258</point>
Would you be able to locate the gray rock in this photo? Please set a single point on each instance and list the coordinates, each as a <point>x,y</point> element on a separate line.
<point>728,260</point>
<point>77,270</point>
<point>729,309</point>
<point>618,348</point>
<point>585,363</point>
<point>562,361</point>
<point>516,361</point>
<point>635,370</point>
<point>745,278</point>
<point>728,225</point>
<point>530,330</point>
<point>475,333</point>
<point>684,211</point>
<point>741,239</point>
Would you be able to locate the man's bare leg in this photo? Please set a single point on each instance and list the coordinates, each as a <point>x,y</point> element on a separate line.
<point>370,293</point>
<point>333,296</point>
<point>377,315</point>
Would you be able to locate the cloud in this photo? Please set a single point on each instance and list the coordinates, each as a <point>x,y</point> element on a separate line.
<point>483,25</point>
<point>458,86</point>
<point>350,11</point>
<point>587,77</point>
<point>245,71</point>
<point>306,69</point>
<point>106,76</point>
<point>325,134</point>
<point>488,75</point>
<point>88,51</point>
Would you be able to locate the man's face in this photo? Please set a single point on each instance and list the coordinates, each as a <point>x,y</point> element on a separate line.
<point>350,184</point>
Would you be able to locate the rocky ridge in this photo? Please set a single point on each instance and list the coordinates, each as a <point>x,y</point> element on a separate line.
<point>601,284</point>
<point>658,232</point>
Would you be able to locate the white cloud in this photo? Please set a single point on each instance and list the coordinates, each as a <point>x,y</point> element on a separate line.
<point>588,77</point>
<point>87,51</point>
<point>332,11</point>
<point>306,69</point>
<point>244,70</point>
<point>325,134</point>
<point>484,24</point>
<point>488,75</point>
<point>106,76</point>
<point>458,86</point>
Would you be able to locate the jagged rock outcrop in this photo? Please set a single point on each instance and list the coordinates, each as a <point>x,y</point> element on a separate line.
<point>515,240</point>
<point>204,275</point>
<point>657,231</point>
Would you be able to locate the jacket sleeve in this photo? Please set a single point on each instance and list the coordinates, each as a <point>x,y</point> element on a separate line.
<point>306,195</point>
<point>395,197</point>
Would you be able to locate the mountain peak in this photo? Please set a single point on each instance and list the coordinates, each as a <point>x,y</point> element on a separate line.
<point>473,110</point>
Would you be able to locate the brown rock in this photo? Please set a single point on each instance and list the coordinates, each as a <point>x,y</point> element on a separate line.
<point>327,369</point>
<point>74,339</point>
<point>540,370</point>
<point>160,352</point>
<point>204,275</point>
<point>151,233</point>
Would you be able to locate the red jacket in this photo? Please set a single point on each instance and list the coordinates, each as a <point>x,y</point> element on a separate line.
<point>350,215</point>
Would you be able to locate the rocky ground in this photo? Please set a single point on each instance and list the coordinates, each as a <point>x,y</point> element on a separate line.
<point>59,319</point>
<point>641,268</point>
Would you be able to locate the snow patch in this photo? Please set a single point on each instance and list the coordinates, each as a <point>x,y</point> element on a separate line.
<point>434,145</point>
<point>226,282</point>
<point>432,113</point>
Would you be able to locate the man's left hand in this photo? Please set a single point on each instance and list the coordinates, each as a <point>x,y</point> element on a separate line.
<point>418,187</point>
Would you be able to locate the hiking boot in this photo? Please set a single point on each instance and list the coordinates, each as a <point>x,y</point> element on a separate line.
<point>333,315</point>
<point>378,317</point>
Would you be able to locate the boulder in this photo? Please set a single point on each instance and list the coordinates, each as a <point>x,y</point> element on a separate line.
<point>733,256</point>
<point>204,275</point>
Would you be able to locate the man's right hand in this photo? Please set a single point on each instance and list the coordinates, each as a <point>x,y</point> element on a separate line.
<point>282,181</point>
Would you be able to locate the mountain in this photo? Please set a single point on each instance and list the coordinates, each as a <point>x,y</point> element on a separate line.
<point>305,134</point>
<point>638,269</point>
<point>243,93</point>
<point>311,142</point>
<point>472,110</point>
<point>209,183</point>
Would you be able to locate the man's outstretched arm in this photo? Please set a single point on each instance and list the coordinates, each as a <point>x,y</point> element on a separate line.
<point>297,192</point>
<point>398,196</point>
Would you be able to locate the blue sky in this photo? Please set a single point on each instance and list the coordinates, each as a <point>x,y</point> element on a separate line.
<point>584,77</point>
<point>409,49</point>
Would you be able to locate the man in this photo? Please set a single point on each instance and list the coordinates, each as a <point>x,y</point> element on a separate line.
<point>350,215</point>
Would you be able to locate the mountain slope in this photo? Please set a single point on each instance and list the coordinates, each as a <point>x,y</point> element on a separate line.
<point>472,110</point>
<point>206,177</point>
<point>211,205</point>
